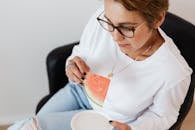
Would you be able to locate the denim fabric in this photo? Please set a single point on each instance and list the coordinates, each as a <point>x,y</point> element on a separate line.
<point>57,113</point>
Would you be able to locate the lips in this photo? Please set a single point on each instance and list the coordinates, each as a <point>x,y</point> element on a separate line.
<point>123,45</point>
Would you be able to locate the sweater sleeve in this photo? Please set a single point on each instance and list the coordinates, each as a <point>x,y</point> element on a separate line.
<point>165,108</point>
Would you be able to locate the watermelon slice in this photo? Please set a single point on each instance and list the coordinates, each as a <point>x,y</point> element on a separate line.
<point>96,87</point>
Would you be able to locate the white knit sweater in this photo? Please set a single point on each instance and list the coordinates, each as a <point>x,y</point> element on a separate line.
<point>145,94</point>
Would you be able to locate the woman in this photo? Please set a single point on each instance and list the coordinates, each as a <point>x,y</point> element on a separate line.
<point>123,42</point>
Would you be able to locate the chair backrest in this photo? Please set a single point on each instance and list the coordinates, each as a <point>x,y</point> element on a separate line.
<point>55,64</point>
<point>183,34</point>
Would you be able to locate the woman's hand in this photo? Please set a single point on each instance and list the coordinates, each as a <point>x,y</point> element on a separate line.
<point>120,126</point>
<point>77,69</point>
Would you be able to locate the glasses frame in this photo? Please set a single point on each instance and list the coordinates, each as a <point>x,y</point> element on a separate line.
<point>133,29</point>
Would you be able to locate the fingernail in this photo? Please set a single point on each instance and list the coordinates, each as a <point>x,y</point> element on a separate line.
<point>83,77</point>
<point>110,121</point>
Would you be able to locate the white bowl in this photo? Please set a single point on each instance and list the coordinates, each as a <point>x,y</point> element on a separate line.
<point>90,120</point>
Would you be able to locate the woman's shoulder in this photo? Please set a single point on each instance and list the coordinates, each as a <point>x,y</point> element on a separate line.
<point>174,66</point>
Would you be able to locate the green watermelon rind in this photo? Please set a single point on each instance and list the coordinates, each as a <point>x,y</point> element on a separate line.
<point>90,96</point>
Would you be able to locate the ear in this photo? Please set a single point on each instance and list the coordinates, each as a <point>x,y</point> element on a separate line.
<point>159,21</point>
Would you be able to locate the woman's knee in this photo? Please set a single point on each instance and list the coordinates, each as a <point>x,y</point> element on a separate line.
<point>32,124</point>
<point>27,124</point>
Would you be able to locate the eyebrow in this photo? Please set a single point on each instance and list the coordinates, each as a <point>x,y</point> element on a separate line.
<point>122,23</point>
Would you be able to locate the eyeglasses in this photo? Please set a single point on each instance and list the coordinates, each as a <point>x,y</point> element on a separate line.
<point>125,31</point>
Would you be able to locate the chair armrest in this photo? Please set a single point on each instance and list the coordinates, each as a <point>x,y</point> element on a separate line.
<point>56,67</point>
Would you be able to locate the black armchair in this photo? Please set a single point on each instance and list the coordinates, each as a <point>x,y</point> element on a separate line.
<point>181,31</point>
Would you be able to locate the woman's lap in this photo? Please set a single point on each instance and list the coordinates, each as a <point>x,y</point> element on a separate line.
<point>71,97</point>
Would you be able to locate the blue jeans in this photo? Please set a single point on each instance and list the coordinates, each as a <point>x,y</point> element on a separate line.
<point>57,113</point>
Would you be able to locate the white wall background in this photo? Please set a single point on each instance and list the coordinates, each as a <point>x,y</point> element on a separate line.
<point>183,8</point>
<point>29,29</point>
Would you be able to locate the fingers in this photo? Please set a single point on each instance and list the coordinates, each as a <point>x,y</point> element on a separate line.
<point>76,69</point>
<point>83,67</point>
<point>73,75</point>
<point>119,125</point>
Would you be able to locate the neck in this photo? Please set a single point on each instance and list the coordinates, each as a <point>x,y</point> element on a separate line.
<point>148,48</point>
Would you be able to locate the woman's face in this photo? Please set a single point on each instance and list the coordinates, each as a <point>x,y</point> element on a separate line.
<point>120,16</point>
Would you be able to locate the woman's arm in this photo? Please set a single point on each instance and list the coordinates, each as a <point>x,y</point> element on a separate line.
<point>165,108</point>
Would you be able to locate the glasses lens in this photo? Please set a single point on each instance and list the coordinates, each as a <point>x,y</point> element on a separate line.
<point>106,25</point>
<point>127,32</point>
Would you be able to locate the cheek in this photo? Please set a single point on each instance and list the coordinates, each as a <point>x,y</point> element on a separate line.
<point>140,38</point>
<point>135,42</point>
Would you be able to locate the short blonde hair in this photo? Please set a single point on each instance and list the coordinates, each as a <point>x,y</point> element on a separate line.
<point>149,9</point>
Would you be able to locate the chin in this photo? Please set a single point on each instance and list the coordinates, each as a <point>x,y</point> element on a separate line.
<point>124,50</point>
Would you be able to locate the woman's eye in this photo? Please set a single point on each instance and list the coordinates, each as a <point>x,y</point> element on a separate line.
<point>127,28</point>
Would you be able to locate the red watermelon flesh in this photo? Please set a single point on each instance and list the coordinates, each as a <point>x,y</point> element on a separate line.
<point>96,87</point>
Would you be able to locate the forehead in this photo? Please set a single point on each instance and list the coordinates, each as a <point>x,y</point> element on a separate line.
<point>117,13</point>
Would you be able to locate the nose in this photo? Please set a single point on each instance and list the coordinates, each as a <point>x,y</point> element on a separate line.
<point>117,36</point>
